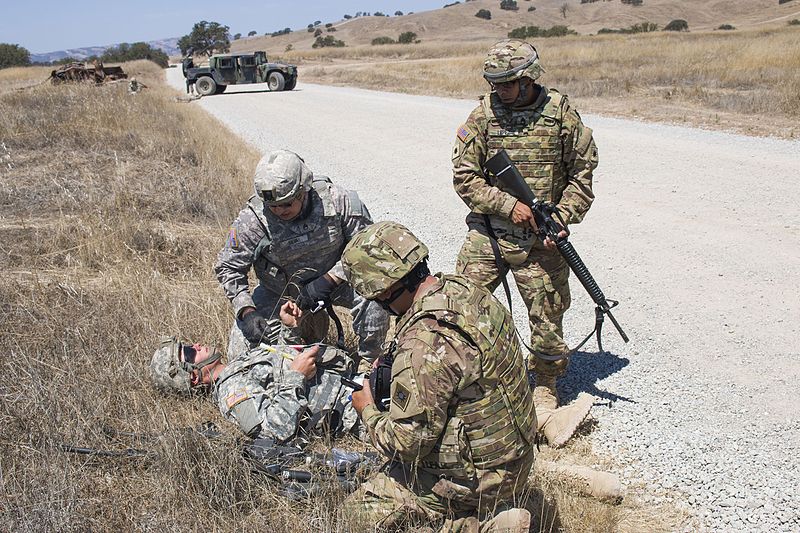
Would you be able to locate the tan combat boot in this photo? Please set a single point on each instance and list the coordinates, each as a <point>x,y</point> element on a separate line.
<point>601,485</point>
<point>545,395</point>
<point>558,425</point>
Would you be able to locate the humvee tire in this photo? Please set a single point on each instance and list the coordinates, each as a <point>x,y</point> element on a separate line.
<point>206,85</point>
<point>276,81</point>
<point>291,84</point>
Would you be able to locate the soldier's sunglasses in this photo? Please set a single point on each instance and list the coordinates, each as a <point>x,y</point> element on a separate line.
<point>269,198</point>
<point>189,353</point>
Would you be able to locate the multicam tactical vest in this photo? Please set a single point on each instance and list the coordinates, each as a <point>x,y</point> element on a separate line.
<point>500,426</point>
<point>298,250</point>
<point>532,138</point>
<point>252,374</point>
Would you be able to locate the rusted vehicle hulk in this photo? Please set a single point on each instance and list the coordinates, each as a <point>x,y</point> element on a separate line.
<point>78,72</point>
<point>236,69</point>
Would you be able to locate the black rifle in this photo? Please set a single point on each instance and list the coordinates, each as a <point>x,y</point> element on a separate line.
<point>285,464</point>
<point>288,465</point>
<point>507,174</point>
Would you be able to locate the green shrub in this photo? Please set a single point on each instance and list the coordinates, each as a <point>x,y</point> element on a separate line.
<point>794,22</point>
<point>327,41</point>
<point>484,14</point>
<point>407,37</point>
<point>14,55</point>
<point>383,40</point>
<point>509,5</point>
<point>525,32</point>
<point>131,52</point>
<point>642,27</point>
<point>726,27</point>
<point>677,25</point>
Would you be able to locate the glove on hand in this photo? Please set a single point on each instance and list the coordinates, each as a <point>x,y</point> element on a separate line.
<point>315,291</point>
<point>254,326</point>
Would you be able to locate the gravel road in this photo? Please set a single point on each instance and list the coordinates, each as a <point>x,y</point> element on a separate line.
<point>697,234</point>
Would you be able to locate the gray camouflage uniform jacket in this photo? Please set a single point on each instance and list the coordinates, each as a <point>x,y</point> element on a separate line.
<point>289,251</point>
<point>265,398</point>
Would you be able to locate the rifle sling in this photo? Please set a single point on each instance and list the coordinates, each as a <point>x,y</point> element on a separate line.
<point>502,266</point>
<point>338,324</point>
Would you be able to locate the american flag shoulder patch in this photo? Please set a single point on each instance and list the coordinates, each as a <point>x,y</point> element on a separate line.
<point>463,133</point>
<point>233,239</point>
<point>236,398</point>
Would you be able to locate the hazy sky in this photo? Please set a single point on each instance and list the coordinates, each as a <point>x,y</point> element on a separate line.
<point>59,25</point>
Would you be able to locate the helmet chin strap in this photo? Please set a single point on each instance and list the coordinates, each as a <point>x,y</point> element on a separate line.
<point>525,92</point>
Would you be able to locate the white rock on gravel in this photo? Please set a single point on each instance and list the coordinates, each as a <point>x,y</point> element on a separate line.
<point>697,233</point>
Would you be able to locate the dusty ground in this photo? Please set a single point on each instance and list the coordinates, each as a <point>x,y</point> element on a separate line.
<point>695,232</point>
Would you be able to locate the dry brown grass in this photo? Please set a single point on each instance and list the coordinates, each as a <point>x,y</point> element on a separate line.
<point>733,77</point>
<point>112,208</point>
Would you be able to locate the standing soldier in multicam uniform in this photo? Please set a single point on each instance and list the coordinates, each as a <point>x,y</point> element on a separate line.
<point>461,422</point>
<point>544,136</point>
<point>270,391</point>
<point>292,234</point>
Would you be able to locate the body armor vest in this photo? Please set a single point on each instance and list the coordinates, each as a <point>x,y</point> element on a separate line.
<point>532,138</point>
<point>498,426</point>
<point>312,244</point>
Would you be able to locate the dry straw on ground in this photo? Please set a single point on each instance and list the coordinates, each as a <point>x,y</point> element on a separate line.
<point>112,208</point>
<point>717,79</point>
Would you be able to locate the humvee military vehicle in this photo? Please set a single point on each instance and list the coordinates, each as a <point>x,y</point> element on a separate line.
<point>236,69</point>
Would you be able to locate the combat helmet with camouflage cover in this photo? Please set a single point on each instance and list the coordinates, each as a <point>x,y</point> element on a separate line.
<point>168,373</point>
<point>380,255</point>
<point>281,176</point>
<point>510,60</point>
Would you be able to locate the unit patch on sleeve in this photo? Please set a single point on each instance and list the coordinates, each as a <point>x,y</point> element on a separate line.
<point>401,396</point>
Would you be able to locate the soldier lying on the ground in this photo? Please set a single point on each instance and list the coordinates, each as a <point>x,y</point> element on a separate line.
<point>274,392</point>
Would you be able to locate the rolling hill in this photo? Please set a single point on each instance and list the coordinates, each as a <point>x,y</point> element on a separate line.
<point>458,23</point>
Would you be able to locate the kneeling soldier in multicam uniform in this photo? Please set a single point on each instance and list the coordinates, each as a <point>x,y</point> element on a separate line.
<point>461,423</point>
<point>292,233</point>
<point>276,392</point>
<point>556,154</point>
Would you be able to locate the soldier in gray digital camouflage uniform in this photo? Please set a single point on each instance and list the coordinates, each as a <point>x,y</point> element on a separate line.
<point>292,233</point>
<point>270,391</point>
<point>556,154</point>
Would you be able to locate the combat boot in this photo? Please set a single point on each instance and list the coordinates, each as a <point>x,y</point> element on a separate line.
<point>545,394</point>
<point>601,485</point>
<point>558,425</point>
